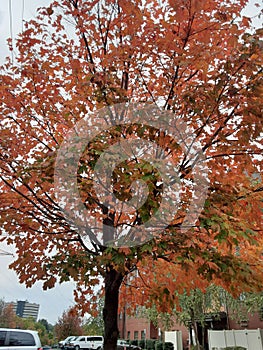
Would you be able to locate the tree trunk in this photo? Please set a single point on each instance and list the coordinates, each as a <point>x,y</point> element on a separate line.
<point>196,335</point>
<point>113,281</point>
<point>203,336</point>
<point>195,328</point>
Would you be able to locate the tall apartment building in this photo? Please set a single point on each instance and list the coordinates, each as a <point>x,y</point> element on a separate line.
<point>24,309</point>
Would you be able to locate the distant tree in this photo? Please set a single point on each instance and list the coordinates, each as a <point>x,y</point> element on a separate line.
<point>49,327</point>
<point>8,317</point>
<point>70,323</point>
<point>93,325</point>
<point>26,323</point>
<point>46,336</point>
<point>48,333</point>
<point>2,305</point>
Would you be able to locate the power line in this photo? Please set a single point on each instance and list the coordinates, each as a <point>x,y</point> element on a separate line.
<point>11,29</point>
<point>23,13</point>
<point>4,253</point>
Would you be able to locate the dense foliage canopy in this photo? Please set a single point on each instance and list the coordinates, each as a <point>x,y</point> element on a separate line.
<point>191,58</point>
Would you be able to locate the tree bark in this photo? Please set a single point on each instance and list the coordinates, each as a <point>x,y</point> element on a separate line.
<point>195,328</point>
<point>113,281</point>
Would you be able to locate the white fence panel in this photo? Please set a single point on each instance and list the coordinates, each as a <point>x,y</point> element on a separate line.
<point>250,339</point>
<point>230,338</point>
<point>174,337</point>
<point>216,340</point>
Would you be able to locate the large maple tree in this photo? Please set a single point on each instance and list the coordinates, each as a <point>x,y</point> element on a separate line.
<point>191,58</point>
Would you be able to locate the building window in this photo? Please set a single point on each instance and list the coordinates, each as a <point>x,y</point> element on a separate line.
<point>128,335</point>
<point>143,334</point>
<point>136,335</point>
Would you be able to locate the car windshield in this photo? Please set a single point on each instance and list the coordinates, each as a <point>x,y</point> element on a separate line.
<point>79,338</point>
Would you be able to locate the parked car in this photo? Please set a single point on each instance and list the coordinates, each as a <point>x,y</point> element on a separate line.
<point>19,339</point>
<point>86,342</point>
<point>124,345</point>
<point>68,342</point>
<point>62,343</point>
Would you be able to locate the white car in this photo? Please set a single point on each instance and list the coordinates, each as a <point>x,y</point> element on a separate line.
<point>62,343</point>
<point>93,342</point>
<point>19,339</point>
<point>124,345</point>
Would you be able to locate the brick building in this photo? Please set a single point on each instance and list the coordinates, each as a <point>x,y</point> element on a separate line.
<point>253,322</point>
<point>136,328</point>
<point>141,328</point>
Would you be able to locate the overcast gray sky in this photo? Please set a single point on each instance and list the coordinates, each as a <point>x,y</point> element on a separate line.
<point>26,9</point>
<point>55,301</point>
<point>52,302</point>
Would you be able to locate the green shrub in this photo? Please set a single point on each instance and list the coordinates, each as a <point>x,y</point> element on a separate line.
<point>168,346</point>
<point>159,345</point>
<point>150,344</point>
<point>134,342</point>
<point>142,344</point>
